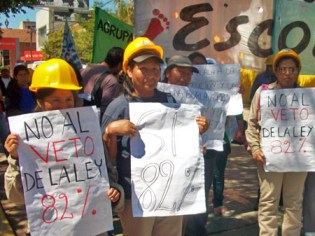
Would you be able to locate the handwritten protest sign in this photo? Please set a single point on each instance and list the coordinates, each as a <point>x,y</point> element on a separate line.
<point>288,136</point>
<point>167,168</point>
<point>63,172</point>
<point>220,78</point>
<point>214,109</point>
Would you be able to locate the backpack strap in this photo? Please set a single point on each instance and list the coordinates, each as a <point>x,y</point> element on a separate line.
<point>98,83</point>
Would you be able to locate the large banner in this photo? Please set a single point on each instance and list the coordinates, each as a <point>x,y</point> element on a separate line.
<point>167,167</point>
<point>287,129</point>
<point>109,32</point>
<point>230,31</point>
<point>63,172</point>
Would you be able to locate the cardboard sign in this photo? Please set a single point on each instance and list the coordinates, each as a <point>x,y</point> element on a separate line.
<point>287,129</point>
<point>167,167</point>
<point>63,172</point>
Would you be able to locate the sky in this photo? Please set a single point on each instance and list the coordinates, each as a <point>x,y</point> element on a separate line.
<point>29,15</point>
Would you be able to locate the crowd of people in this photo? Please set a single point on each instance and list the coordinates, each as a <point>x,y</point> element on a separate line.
<point>131,75</point>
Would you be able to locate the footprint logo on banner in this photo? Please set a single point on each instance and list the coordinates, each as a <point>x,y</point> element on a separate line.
<point>157,25</point>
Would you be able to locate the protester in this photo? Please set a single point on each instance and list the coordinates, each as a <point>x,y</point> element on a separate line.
<point>179,71</point>
<point>3,123</point>
<point>5,78</point>
<point>286,66</point>
<point>104,79</point>
<point>142,65</point>
<point>219,158</point>
<point>54,84</point>
<point>265,77</point>
<point>19,99</point>
<point>197,58</point>
<point>309,205</point>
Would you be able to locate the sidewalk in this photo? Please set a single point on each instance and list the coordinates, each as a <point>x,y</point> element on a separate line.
<point>240,195</point>
<point>241,187</point>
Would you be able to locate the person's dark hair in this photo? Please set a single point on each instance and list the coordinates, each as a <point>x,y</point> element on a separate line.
<point>5,69</point>
<point>127,82</point>
<point>296,62</point>
<point>193,55</point>
<point>19,68</point>
<point>45,92</point>
<point>114,56</point>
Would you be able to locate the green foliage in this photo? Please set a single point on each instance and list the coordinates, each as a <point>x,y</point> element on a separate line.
<point>15,6</point>
<point>83,38</point>
<point>123,10</point>
<point>53,46</point>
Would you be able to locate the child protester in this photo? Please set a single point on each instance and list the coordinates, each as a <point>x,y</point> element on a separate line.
<point>55,86</point>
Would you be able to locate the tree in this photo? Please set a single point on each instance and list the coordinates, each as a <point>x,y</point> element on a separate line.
<point>15,6</point>
<point>123,10</point>
<point>53,46</point>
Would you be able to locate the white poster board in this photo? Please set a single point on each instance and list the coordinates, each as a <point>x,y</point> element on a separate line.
<point>63,172</point>
<point>287,129</point>
<point>221,78</point>
<point>214,109</point>
<point>167,167</point>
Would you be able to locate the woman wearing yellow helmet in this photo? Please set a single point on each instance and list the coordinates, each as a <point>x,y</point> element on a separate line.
<point>142,65</point>
<point>55,86</point>
<point>286,66</point>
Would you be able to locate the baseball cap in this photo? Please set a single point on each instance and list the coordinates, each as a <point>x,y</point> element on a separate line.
<point>146,56</point>
<point>183,61</point>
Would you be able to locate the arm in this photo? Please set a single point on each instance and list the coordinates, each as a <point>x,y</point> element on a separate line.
<point>111,144</point>
<point>117,191</point>
<point>114,129</point>
<point>12,177</point>
<point>240,133</point>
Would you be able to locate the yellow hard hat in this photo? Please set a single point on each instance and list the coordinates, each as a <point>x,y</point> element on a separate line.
<point>287,52</point>
<point>54,73</point>
<point>143,47</point>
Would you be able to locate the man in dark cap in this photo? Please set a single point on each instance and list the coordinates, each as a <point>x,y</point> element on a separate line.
<point>179,71</point>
